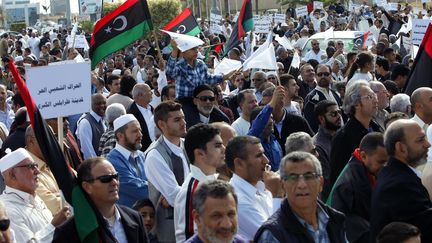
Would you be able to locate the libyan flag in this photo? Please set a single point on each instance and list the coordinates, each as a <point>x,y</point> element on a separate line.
<point>244,24</point>
<point>126,24</point>
<point>216,47</point>
<point>185,23</point>
<point>360,41</point>
<point>421,72</point>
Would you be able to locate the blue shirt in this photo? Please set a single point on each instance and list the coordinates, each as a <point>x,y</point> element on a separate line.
<point>272,148</point>
<point>188,78</point>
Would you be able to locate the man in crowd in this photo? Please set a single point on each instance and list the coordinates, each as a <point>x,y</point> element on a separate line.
<point>6,113</point>
<point>108,141</point>
<point>302,217</point>
<point>383,102</point>
<point>128,160</point>
<point>113,83</point>
<point>291,90</point>
<point>166,159</point>
<point>206,152</point>
<point>247,102</point>
<point>91,127</point>
<point>352,191</point>
<point>258,79</point>
<point>307,82</point>
<point>99,181</point>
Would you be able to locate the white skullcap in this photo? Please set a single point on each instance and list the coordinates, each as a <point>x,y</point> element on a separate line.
<point>116,72</point>
<point>13,158</point>
<point>123,120</point>
<point>19,59</point>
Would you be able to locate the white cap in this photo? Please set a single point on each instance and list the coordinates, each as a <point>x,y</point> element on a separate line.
<point>123,120</point>
<point>19,59</point>
<point>116,72</point>
<point>184,42</point>
<point>13,158</point>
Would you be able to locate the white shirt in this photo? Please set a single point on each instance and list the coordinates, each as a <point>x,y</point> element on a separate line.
<point>117,229</point>
<point>241,126</point>
<point>156,168</point>
<point>204,119</point>
<point>293,108</point>
<point>148,117</point>
<point>320,56</point>
<point>30,218</point>
<point>180,202</point>
<point>84,135</point>
<point>361,76</point>
<point>255,205</point>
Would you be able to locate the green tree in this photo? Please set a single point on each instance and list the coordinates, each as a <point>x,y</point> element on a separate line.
<point>87,26</point>
<point>163,11</point>
<point>108,7</point>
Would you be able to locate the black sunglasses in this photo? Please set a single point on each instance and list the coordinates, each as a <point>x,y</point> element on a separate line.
<point>4,224</point>
<point>105,178</point>
<point>205,98</point>
<point>323,74</point>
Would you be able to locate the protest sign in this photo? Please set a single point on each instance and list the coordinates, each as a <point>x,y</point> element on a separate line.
<point>262,23</point>
<point>60,90</point>
<point>279,18</point>
<point>79,42</point>
<point>301,11</point>
<point>418,30</point>
<point>215,23</point>
<point>318,5</point>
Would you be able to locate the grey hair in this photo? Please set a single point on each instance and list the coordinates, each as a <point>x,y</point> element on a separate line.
<point>297,157</point>
<point>374,85</point>
<point>297,141</point>
<point>352,95</point>
<point>138,89</point>
<point>400,102</point>
<point>114,111</point>
<point>214,189</point>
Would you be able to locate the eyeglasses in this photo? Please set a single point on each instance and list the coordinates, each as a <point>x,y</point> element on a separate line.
<point>105,178</point>
<point>334,113</point>
<point>294,178</point>
<point>31,166</point>
<point>4,224</point>
<point>369,97</point>
<point>323,74</point>
<point>205,98</point>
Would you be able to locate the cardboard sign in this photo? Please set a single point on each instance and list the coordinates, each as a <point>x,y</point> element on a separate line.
<point>419,30</point>
<point>79,42</point>
<point>279,18</point>
<point>392,7</point>
<point>90,6</point>
<point>215,23</point>
<point>407,42</point>
<point>301,11</point>
<point>61,90</point>
<point>318,5</point>
<point>262,23</point>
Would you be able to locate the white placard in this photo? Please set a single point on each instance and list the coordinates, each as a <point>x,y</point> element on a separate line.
<point>215,21</point>
<point>318,5</point>
<point>407,42</point>
<point>419,30</point>
<point>381,3</point>
<point>90,6</point>
<point>279,18</point>
<point>301,11</point>
<point>353,7</point>
<point>80,42</point>
<point>60,90</point>
<point>262,23</point>
<point>392,7</point>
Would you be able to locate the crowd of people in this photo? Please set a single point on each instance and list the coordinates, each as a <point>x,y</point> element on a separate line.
<point>331,151</point>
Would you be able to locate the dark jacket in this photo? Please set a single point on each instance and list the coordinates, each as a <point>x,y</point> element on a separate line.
<point>285,227</point>
<point>400,196</point>
<point>322,141</point>
<point>145,140</point>
<point>351,195</point>
<point>346,140</point>
<point>131,220</point>
<point>193,118</point>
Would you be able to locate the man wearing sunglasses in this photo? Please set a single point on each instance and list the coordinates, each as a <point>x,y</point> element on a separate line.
<point>204,110</point>
<point>128,160</point>
<point>321,92</point>
<point>99,182</point>
<point>309,219</point>
<point>31,219</point>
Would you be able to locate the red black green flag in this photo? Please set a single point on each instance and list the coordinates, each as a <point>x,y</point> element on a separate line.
<point>421,72</point>
<point>184,23</point>
<point>360,41</point>
<point>216,47</point>
<point>127,23</point>
<point>244,24</point>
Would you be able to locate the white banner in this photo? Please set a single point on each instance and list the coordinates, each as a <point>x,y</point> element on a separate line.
<point>381,3</point>
<point>65,89</point>
<point>80,42</point>
<point>301,11</point>
<point>407,42</point>
<point>392,7</point>
<point>215,23</point>
<point>279,18</point>
<point>90,6</point>
<point>318,5</point>
<point>262,23</point>
<point>419,30</point>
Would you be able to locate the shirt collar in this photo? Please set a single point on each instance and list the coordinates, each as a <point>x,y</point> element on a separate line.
<point>204,119</point>
<point>125,152</point>
<point>28,198</point>
<point>417,172</point>
<point>174,148</point>
<point>116,215</point>
<point>248,188</point>
<point>418,120</point>
<point>200,176</point>
<point>96,116</point>
<point>144,108</point>
<point>323,219</point>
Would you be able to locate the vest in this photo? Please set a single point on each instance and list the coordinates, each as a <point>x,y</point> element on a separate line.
<point>97,131</point>
<point>164,216</point>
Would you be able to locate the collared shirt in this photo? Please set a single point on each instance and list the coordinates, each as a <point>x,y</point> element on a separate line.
<point>204,119</point>
<point>156,168</point>
<point>7,116</point>
<point>328,95</point>
<point>148,117</point>
<point>241,126</point>
<point>255,205</point>
<point>125,152</point>
<point>320,56</point>
<point>417,172</point>
<point>187,77</point>
<point>421,123</point>
<point>181,213</point>
<point>107,142</point>
<point>84,132</point>
<point>117,229</point>
<point>30,218</point>
<point>320,235</point>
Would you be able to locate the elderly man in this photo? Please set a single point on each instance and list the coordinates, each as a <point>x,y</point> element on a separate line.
<point>258,79</point>
<point>108,141</point>
<point>215,198</point>
<point>399,194</point>
<point>352,192</point>
<point>247,102</point>
<point>302,217</point>
<point>401,103</point>
<point>383,102</point>
<point>128,160</point>
<point>91,127</point>
<point>99,182</point>
<point>307,82</point>
<point>31,219</point>
<point>315,53</point>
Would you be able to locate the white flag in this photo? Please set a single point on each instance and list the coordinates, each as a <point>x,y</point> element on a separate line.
<point>260,49</point>
<point>329,33</point>
<point>227,65</point>
<point>284,42</point>
<point>184,42</point>
<point>295,63</point>
<point>266,59</point>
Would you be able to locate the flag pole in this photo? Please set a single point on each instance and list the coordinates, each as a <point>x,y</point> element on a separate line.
<point>157,45</point>
<point>60,132</point>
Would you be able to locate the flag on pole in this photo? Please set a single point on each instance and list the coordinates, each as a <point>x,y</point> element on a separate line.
<point>264,57</point>
<point>421,72</point>
<point>185,23</point>
<point>360,42</point>
<point>127,23</point>
<point>216,47</point>
<point>244,24</point>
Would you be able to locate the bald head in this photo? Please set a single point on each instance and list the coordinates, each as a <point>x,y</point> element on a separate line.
<point>227,132</point>
<point>421,102</point>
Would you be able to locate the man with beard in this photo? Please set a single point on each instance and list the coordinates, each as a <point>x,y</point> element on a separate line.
<point>128,160</point>
<point>330,120</point>
<point>321,92</point>
<point>399,194</point>
<point>166,159</point>
<point>7,115</point>
<point>204,110</point>
<point>215,198</point>
<point>383,102</point>
<point>315,53</point>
